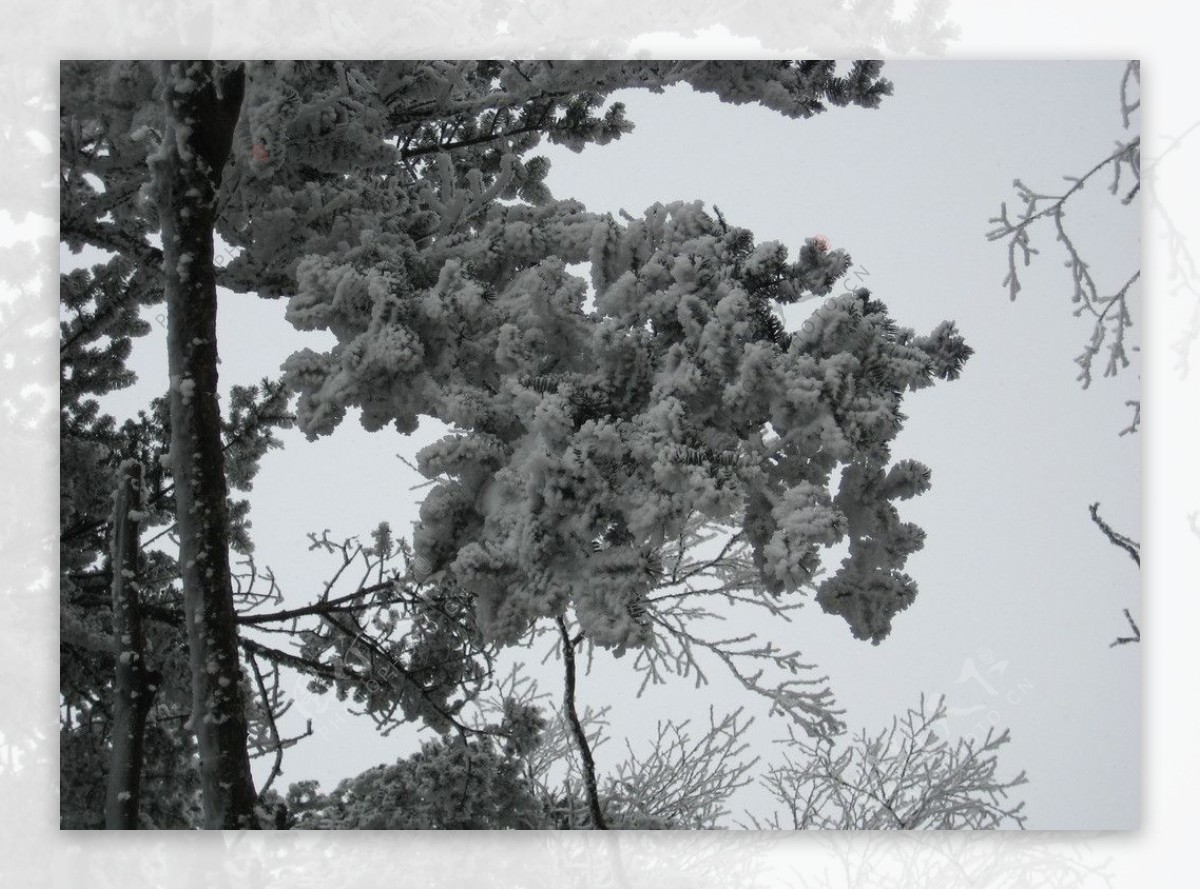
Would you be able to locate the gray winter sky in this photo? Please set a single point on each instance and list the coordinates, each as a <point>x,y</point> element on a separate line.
<point>1020,595</point>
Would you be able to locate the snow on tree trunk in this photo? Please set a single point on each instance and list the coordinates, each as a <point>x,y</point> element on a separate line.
<point>202,109</point>
<point>134,684</point>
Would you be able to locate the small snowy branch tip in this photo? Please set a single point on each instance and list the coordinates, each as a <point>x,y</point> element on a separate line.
<point>905,777</point>
<point>1108,307</point>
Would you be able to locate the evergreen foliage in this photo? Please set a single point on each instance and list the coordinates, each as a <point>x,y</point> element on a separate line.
<point>400,207</point>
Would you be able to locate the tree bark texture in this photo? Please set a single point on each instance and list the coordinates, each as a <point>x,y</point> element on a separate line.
<point>577,730</point>
<point>134,684</point>
<point>202,107</point>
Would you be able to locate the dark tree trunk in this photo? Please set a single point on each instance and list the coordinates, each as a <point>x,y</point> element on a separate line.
<point>134,684</point>
<point>202,109</point>
<point>577,730</point>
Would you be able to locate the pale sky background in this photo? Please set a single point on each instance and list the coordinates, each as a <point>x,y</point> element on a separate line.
<point>1014,578</point>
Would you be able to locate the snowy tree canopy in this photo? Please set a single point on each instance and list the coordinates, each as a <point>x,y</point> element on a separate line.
<point>439,261</point>
<point>400,207</point>
<point>680,393</point>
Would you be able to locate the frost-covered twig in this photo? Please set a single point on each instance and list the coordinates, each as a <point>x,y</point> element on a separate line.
<point>273,708</point>
<point>1134,551</point>
<point>1135,638</point>
<point>682,603</point>
<point>904,777</point>
<point>244,583</point>
<point>1110,310</point>
<point>683,781</point>
<point>1130,546</point>
<point>401,648</point>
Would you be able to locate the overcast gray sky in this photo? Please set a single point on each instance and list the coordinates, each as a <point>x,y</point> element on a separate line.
<point>1020,595</point>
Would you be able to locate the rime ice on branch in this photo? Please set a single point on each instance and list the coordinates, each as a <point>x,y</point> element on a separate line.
<point>680,394</point>
<point>399,206</point>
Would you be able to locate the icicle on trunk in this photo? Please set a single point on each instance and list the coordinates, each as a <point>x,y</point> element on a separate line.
<point>202,110</point>
<point>134,684</point>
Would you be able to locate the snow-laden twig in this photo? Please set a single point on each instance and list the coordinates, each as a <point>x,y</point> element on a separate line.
<point>907,776</point>
<point>1108,307</point>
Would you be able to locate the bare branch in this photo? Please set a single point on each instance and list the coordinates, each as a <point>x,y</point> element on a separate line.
<point>905,777</point>
<point>683,782</point>
<point>1130,546</point>
<point>1110,311</point>
<point>1137,633</point>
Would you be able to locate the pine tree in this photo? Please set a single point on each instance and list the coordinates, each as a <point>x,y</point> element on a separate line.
<point>398,205</point>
